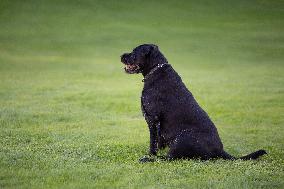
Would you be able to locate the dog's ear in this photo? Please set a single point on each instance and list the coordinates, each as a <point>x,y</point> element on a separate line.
<point>152,54</point>
<point>152,48</point>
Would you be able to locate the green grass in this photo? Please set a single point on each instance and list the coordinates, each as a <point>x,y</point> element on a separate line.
<point>70,117</point>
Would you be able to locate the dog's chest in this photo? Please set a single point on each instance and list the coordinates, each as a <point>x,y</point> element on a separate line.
<point>148,102</point>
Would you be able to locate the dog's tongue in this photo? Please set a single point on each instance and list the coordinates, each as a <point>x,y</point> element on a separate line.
<point>130,66</point>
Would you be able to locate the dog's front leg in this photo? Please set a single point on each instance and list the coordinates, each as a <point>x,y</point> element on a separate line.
<point>153,139</point>
<point>160,141</point>
<point>153,128</point>
<point>155,133</point>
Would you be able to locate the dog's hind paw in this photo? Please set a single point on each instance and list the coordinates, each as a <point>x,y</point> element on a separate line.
<point>146,159</point>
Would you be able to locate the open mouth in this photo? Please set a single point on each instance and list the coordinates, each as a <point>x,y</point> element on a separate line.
<point>131,68</point>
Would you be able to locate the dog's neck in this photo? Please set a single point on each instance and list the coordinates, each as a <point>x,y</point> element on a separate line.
<point>158,66</point>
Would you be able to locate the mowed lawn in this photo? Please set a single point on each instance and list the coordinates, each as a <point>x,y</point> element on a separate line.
<point>70,117</point>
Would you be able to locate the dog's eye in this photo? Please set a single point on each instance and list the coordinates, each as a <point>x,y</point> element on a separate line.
<point>132,56</point>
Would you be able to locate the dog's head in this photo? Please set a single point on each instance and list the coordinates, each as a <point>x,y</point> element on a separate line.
<point>142,59</point>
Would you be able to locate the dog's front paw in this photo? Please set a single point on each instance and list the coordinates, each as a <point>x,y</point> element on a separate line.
<point>146,159</point>
<point>153,152</point>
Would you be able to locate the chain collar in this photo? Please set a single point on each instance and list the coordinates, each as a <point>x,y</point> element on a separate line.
<point>153,70</point>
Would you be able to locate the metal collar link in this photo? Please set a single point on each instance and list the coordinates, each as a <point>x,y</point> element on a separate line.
<point>153,70</point>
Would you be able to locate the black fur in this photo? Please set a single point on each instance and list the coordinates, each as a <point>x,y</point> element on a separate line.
<point>173,116</point>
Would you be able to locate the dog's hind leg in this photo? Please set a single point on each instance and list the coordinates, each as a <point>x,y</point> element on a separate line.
<point>183,147</point>
<point>188,145</point>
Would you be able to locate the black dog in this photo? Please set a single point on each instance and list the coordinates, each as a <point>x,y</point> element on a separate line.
<point>173,116</point>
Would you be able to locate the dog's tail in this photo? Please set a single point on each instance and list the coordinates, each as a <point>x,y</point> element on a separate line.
<point>250,156</point>
<point>253,155</point>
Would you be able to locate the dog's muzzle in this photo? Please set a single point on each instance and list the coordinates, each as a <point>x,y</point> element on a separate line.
<point>128,60</point>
